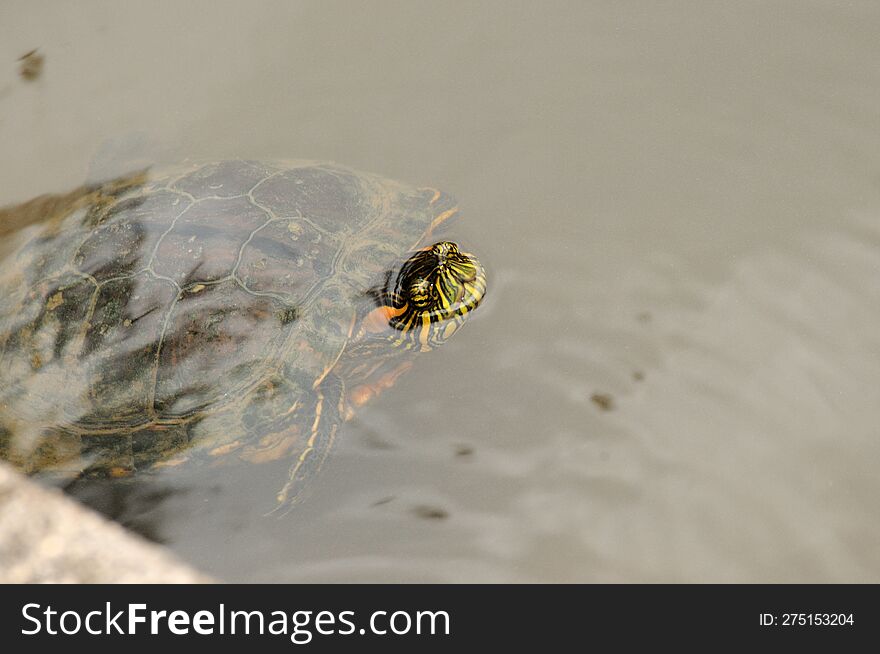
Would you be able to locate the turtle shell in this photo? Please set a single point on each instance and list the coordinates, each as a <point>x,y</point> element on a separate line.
<point>190,313</point>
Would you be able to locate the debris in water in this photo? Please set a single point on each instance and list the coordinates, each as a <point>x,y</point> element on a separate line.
<point>431,512</point>
<point>31,65</point>
<point>603,400</point>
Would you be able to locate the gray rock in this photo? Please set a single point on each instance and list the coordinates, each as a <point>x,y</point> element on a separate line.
<point>46,537</point>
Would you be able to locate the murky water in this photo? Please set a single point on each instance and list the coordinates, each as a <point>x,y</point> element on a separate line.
<point>674,375</point>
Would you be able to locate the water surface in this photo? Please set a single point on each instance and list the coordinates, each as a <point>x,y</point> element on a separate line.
<point>674,375</point>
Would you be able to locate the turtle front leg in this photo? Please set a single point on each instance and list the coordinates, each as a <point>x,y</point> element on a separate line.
<point>327,411</point>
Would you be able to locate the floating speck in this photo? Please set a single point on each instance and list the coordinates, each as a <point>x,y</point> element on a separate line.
<point>431,512</point>
<point>604,401</point>
<point>31,65</point>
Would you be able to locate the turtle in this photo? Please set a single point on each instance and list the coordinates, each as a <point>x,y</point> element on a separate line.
<point>217,311</point>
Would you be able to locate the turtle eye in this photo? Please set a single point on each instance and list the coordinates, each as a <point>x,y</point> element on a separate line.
<point>421,293</point>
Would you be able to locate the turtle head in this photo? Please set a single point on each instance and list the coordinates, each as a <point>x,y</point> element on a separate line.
<point>434,292</point>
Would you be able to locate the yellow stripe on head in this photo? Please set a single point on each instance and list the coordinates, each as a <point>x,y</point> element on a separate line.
<point>435,291</point>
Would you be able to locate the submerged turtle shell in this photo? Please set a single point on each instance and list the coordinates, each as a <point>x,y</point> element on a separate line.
<point>192,313</point>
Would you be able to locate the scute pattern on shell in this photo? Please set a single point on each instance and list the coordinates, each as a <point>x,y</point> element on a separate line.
<point>189,313</point>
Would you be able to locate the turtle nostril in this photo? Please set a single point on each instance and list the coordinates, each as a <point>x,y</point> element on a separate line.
<point>443,251</point>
